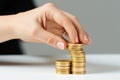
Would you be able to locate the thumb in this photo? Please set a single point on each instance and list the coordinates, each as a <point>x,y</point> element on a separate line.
<point>52,40</point>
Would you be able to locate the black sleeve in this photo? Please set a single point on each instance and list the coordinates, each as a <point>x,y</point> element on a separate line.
<point>11,7</point>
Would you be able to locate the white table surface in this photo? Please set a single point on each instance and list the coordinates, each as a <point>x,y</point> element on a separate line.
<point>99,67</point>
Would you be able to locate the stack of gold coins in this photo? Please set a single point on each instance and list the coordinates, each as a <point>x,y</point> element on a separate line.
<point>78,59</point>
<point>63,66</point>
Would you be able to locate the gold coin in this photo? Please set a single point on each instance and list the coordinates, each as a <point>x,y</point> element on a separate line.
<point>72,44</point>
<point>74,64</point>
<point>75,48</point>
<point>83,72</point>
<point>59,71</point>
<point>60,67</point>
<point>78,55</point>
<point>63,65</point>
<point>77,58</point>
<point>63,70</point>
<point>78,66</point>
<point>78,69</point>
<point>77,52</point>
<point>63,62</point>
<point>81,60</point>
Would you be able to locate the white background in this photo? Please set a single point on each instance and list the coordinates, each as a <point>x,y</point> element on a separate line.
<point>99,67</point>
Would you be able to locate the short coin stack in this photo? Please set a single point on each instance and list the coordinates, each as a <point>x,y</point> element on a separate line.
<point>63,66</point>
<point>78,59</point>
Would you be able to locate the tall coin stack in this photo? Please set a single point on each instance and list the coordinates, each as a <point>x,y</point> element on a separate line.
<point>63,66</point>
<point>78,64</point>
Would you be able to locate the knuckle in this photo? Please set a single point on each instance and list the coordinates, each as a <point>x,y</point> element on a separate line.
<point>74,17</point>
<point>50,4</point>
<point>65,20</point>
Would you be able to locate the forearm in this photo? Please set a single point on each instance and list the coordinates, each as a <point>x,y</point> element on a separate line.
<point>6,31</point>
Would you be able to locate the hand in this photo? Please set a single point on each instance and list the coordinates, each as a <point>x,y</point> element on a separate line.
<point>46,24</point>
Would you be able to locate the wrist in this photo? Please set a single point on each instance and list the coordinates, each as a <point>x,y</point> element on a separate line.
<point>7,31</point>
<point>11,25</point>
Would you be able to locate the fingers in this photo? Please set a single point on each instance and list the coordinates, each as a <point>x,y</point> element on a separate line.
<point>61,19</point>
<point>70,23</point>
<point>51,39</point>
<point>83,36</point>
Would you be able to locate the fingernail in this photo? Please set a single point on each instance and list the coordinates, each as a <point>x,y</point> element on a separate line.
<point>85,38</point>
<point>60,45</point>
<point>76,39</point>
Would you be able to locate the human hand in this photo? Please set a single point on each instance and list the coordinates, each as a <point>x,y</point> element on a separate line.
<point>46,24</point>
